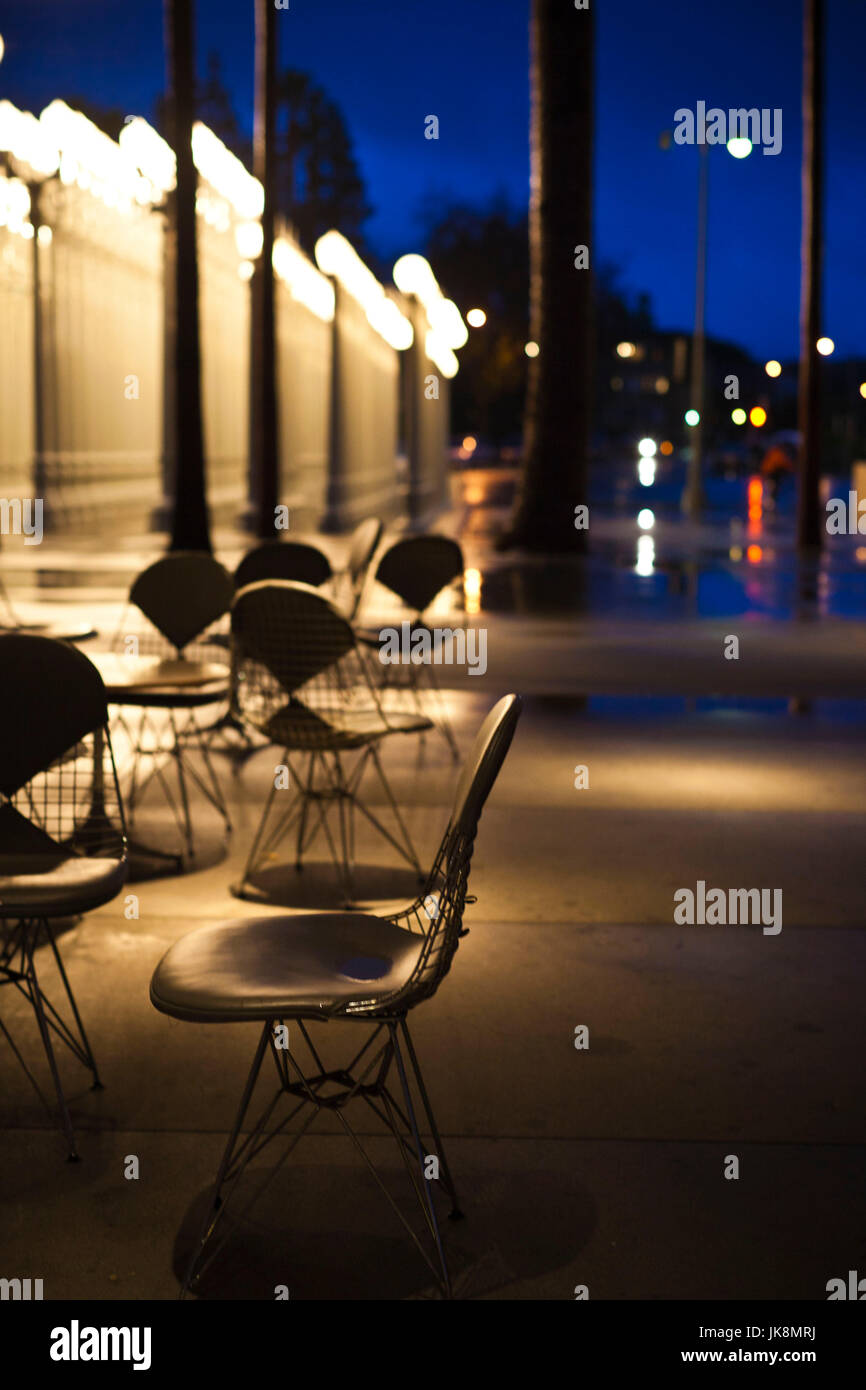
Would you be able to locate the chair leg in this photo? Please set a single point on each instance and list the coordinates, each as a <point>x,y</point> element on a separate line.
<point>305,805</point>
<point>455,1213</point>
<point>419,1148</point>
<point>259,835</point>
<point>177,751</point>
<point>89,1059</point>
<point>225,1163</point>
<point>409,851</point>
<point>45,1033</point>
<point>441,720</point>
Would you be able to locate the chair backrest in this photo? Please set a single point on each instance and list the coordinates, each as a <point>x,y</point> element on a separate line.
<point>437,913</point>
<point>56,765</point>
<point>417,568</point>
<point>291,629</point>
<point>296,560</point>
<point>482,766</point>
<point>182,594</point>
<point>53,696</point>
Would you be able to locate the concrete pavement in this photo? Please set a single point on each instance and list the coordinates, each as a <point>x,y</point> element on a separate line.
<point>602,1166</point>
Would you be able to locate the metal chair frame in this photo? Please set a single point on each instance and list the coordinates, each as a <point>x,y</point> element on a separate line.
<point>66,811</point>
<point>436,916</point>
<point>311,657</point>
<point>418,597</point>
<point>180,732</point>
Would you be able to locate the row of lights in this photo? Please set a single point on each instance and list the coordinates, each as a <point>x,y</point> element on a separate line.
<point>141,168</point>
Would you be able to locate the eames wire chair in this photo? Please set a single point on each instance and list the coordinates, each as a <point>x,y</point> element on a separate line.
<point>299,679</point>
<point>169,669</point>
<point>417,569</point>
<point>348,967</point>
<point>269,560</point>
<point>62,832</point>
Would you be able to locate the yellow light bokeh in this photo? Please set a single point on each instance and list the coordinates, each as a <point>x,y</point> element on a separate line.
<point>863,389</point>
<point>739,416</point>
<point>472,591</point>
<point>625,349</point>
<point>758,416</point>
<point>825,346</point>
<point>476,318</point>
<point>531,349</point>
<point>773,368</point>
<point>470,443</point>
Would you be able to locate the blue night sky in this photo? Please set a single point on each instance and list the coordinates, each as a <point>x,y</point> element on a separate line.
<point>389,64</point>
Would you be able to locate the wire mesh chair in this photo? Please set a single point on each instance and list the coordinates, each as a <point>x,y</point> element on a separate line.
<point>363,544</point>
<point>298,678</point>
<point>417,569</point>
<point>283,560</point>
<point>62,831</point>
<point>182,597</point>
<point>269,560</point>
<point>340,966</point>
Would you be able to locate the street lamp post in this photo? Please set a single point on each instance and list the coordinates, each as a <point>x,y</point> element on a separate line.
<point>693,492</point>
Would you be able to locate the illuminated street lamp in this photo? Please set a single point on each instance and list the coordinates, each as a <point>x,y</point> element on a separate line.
<point>693,495</point>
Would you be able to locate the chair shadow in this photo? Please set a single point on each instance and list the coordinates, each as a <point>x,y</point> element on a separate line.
<point>316,885</point>
<point>155,850</point>
<point>327,1233</point>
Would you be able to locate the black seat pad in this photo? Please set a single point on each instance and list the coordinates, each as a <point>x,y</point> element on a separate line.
<point>56,885</point>
<point>274,967</point>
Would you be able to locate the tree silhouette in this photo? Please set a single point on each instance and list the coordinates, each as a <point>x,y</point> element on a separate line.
<point>214,107</point>
<point>318,183</point>
<point>481,259</point>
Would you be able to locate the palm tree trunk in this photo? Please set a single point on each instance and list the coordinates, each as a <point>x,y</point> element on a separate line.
<point>189,524</point>
<point>560,380</point>
<point>264,458</point>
